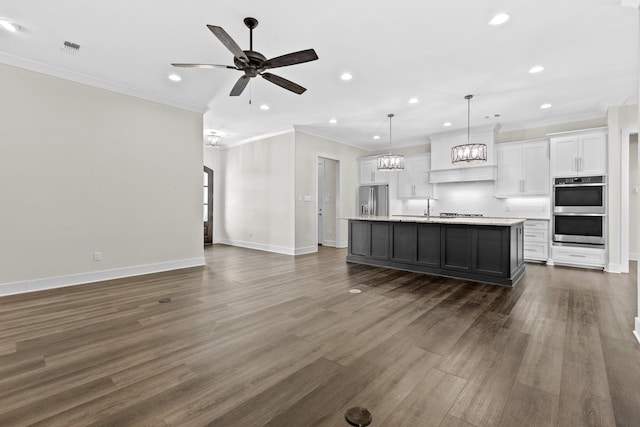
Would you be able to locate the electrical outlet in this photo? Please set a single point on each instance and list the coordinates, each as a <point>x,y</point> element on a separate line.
<point>97,256</point>
<point>250,234</point>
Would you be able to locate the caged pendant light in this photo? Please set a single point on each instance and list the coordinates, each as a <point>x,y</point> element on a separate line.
<point>390,162</point>
<point>469,152</point>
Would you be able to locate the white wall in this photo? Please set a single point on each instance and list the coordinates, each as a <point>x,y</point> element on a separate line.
<point>619,120</point>
<point>254,194</point>
<point>308,149</point>
<point>633,197</point>
<point>83,170</point>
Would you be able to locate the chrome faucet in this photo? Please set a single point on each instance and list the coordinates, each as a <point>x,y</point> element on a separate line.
<point>427,212</point>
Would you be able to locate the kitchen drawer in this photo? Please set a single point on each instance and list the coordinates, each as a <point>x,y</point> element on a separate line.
<point>535,236</point>
<point>536,251</point>
<point>584,257</point>
<point>534,224</point>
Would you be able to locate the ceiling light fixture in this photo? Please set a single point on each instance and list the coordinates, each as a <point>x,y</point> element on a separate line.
<point>264,107</point>
<point>390,162</point>
<point>447,124</point>
<point>212,140</point>
<point>545,106</point>
<point>8,25</point>
<point>413,101</point>
<point>536,69</point>
<point>333,121</point>
<point>499,19</point>
<point>376,136</point>
<point>469,152</point>
<point>175,77</point>
<point>346,76</point>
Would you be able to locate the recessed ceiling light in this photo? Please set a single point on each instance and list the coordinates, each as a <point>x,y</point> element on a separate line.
<point>333,121</point>
<point>376,136</point>
<point>536,69</point>
<point>346,76</point>
<point>8,25</point>
<point>174,77</point>
<point>499,19</point>
<point>413,101</point>
<point>447,124</point>
<point>264,107</point>
<point>545,106</point>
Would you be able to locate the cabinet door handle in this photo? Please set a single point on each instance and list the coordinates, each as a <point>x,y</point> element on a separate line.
<point>577,256</point>
<point>580,163</point>
<point>575,164</point>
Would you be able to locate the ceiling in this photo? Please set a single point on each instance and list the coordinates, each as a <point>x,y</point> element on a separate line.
<point>437,52</point>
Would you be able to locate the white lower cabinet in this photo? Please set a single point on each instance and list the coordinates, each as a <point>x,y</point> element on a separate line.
<point>579,257</point>
<point>536,240</point>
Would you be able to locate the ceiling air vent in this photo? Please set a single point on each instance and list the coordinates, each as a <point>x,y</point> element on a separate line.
<point>70,47</point>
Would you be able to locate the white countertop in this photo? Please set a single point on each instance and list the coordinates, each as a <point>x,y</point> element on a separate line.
<point>484,220</point>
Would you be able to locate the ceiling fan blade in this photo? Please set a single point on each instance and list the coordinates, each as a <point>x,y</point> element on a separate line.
<point>204,66</point>
<point>287,84</point>
<point>291,59</point>
<point>239,86</point>
<point>228,42</point>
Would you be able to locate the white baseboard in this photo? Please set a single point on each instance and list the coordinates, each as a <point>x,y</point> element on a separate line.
<point>261,247</point>
<point>329,243</point>
<point>344,244</point>
<point>633,256</point>
<point>613,268</point>
<point>307,250</point>
<point>94,276</point>
<point>636,332</point>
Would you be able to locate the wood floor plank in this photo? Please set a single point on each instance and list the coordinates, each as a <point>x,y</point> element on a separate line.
<point>621,360</point>
<point>429,402</point>
<point>537,407</point>
<point>484,397</point>
<point>541,365</point>
<point>256,338</point>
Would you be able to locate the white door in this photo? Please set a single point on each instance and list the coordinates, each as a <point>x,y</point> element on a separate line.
<point>320,200</point>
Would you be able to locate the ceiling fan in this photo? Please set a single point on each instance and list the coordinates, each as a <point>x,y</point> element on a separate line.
<point>253,63</point>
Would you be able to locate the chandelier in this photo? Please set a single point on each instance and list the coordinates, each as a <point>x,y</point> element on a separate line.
<point>390,162</point>
<point>469,152</point>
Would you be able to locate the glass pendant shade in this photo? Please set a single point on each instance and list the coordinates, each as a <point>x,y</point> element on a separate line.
<point>390,162</point>
<point>469,152</point>
<point>212,140</point>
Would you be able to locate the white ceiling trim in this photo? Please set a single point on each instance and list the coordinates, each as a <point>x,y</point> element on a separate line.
<point>74,76</point>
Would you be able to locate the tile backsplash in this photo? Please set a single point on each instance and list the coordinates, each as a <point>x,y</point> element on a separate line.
<point>475,198</point>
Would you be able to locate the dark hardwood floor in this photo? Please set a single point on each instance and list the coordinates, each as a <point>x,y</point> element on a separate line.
<point>257,339</point>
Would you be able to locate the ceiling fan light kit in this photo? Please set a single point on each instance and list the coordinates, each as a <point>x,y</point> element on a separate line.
<point>469,152</point>
<point>390,162</point>
<point>253,63</point>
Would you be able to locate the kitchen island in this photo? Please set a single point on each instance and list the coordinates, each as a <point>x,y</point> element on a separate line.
<point>487,250</point>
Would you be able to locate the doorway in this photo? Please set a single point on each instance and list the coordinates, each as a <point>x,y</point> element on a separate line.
<point>207,211</point>
<point>328,206</point>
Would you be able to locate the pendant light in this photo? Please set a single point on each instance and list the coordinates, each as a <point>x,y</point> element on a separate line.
<point>390,162</point>
<point>469,152</point>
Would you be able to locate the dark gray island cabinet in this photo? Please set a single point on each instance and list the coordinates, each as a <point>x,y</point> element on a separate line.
<point>488,250</point>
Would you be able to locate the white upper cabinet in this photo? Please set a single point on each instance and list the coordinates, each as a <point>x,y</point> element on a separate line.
<point>368,167</point>
<point>523,168</point>
<point>580,153</point>
<point>413,181</point>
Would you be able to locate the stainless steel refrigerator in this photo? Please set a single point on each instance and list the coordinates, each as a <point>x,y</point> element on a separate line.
<point>373,200</point>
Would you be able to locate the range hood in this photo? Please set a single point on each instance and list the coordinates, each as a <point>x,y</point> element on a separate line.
<point>442,170</point>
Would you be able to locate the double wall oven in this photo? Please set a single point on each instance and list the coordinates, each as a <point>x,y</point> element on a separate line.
<point>579,211</point>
